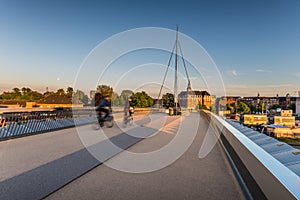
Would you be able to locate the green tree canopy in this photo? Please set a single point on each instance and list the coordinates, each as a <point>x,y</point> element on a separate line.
<point>115,99</point>
<point>261,107</point>
<point>229,107</point>
<point>252,108</point>
<point>46,94</point>
<point>16,91</point>
<point>168,100</point>
<point>70,90</point>
<point>202,107</point>
<point>275,106</point>
<point>26,91</point>
<point>242,108</point>
<point>31,95</point>
<point>292,107</point>
<point>60,91</point>
<point>105,90</point>
<point>81,96</point>
<point>126,93</point>
<point>23,94</point>
<point>142,99</point>
<point>124,96</point>
<point>34,95</point>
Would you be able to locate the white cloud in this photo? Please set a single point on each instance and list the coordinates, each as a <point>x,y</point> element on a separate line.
<point>263,70</point>
<point>233,72</point>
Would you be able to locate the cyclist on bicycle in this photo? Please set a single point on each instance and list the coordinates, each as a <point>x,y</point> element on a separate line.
<point>128,110</point>
<point>105,107</point>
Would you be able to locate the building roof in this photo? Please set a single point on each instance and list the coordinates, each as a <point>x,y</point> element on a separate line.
<point>13,102</point>
<point>60,99</point>
<point>275,126</point>
<point>194,92</point>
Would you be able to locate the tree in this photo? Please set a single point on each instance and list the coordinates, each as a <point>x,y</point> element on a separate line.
<point>81,96</point>
<point>202,107</point>
<point>242,108</point>
<point>292,107</point>
<point>16,94</point>
<point>23,94</point>
<point>252,108</point>
<point>261,107</point>
<point>85,99</point>
<point>34,95</point>
<point>26,93</point>
<point>24,90</point>
<point>7,95</point>
<point>46,94</point>
<point>115,99</point>
<point>70,91</point>
<point>229,107</point>
<point>16,91</point>
<point>124,96</point>
<point>126,93</point>
<point>142,99</point>
<point>60,91</point>
<point>212,109</point>
<point>105,90</point>
<point>275,106</point>
<point>168,100</point>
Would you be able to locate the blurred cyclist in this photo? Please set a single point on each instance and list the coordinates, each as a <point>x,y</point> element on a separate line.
<point>105,107</point>
<point>128,110</point>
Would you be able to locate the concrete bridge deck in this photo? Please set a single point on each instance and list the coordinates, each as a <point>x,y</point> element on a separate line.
<point>56,165</point>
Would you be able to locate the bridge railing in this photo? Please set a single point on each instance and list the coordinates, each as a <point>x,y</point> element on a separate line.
<point>14,124</point>
<point>265,176</point>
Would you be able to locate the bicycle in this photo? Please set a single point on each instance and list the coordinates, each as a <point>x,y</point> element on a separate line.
<point>127,120</point>
<point>107,121</point>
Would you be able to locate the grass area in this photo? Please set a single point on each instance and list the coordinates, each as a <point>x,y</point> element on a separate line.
<point>289,140</point>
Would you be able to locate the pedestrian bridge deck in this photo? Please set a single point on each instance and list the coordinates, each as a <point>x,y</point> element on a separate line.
<point>56,165</point>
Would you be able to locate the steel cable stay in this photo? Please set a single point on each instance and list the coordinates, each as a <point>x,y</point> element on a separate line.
<point>166,72</point>
<point>186,72</point>
<point>175,47</point>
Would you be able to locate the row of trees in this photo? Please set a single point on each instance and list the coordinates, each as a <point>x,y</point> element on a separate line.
<point>139,99</point>
<point>242,108</point>
<point>21,94</point>
<point>31,95</point>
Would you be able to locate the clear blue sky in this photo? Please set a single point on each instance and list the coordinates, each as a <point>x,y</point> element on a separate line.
<point>255,44</point>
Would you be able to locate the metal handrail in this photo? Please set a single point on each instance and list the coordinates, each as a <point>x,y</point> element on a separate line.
<point>14,124</point>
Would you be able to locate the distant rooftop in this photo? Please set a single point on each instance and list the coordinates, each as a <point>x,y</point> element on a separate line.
<point>60,99</point>
<point>195,92</point>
